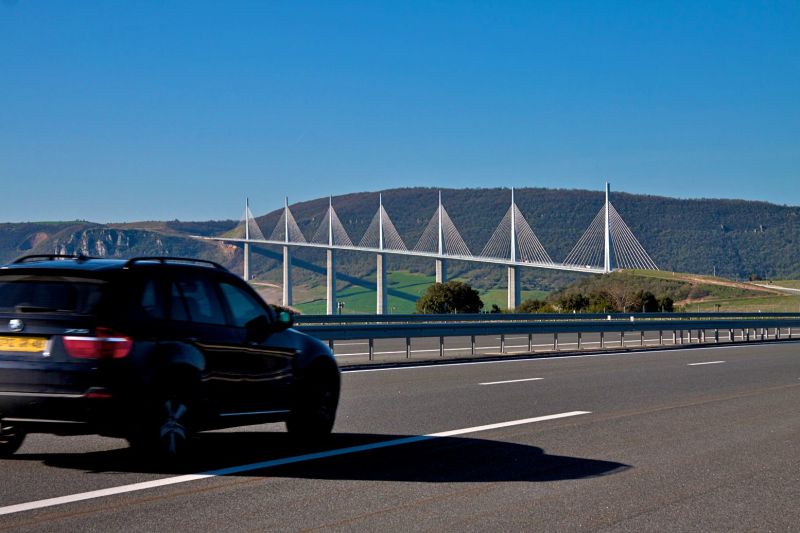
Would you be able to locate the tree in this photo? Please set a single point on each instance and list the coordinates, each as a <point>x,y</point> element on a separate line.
<point>644,301</point>
<point>575,301</point>
<point>451,297</point>
<point>600,302</point>
<point>666,304</point>
<point>534,306</point>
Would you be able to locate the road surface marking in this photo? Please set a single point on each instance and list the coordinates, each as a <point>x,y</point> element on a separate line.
<point>706,363</point>
<point>544,357</point>
<point>489,348</point>
<point>233,470</point>
<point>510,381</point>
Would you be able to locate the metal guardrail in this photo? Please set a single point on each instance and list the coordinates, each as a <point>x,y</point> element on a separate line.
<point>526,317</point>
<point>755,326</point>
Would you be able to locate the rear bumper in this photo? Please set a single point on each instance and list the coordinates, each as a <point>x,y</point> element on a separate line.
<point>94,411</point>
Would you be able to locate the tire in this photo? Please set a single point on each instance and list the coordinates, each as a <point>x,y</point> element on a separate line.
<point>167,429</point>
<point>10,440</point>
<point>314,412</point>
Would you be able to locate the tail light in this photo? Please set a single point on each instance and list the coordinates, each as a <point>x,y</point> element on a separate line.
<point>106,344</point>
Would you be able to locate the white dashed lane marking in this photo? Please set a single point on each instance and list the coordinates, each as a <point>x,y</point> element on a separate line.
<point>510,381</point>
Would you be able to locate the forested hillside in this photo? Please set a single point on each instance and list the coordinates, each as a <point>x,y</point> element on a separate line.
<point>737,238</point>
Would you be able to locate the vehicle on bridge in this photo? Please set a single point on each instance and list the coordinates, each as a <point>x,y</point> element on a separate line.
<point>151,349</point>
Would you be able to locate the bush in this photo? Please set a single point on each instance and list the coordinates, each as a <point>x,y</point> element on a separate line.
<point>451,297</point>
<point>535,306</point>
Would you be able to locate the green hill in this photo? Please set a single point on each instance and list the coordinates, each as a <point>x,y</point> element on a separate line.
<point>736,238</point>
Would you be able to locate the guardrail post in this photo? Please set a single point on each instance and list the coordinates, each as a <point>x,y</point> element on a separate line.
<point>579,340</point>
<point>777,333</point>
<point>661,337</point>
<point>371,349</point>
<point>621,339</point>
<point>530,341</point>
<point>330,345</point>
<point>502,343</point>
<point>641,338</point>
<point>762,334</point>
<point>748,334</point>
<point>674,337</point>
<point>602,340</point>
<point>472,344</point>
<point>555,342</point>
<point>730,335</point>
<point>682,339</point>
<point>441,346</point>
<point>716,335</point>
<point>790,333</point>
<point>408,347</point>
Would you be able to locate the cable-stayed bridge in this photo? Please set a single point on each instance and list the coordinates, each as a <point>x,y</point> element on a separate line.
<point>607,243</point>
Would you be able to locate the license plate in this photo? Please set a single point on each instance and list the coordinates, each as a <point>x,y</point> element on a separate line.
<point>22,344</point>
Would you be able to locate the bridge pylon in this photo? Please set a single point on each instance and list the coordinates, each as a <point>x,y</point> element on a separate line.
<point>608,241</point>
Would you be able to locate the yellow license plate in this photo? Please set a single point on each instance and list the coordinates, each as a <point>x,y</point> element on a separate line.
<point>22,344</point>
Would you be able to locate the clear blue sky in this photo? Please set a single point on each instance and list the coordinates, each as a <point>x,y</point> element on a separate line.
<point>121,111</point>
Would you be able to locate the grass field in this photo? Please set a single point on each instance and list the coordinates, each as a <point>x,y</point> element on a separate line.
<point>405,288</point>
<point>500,297</point>
<point>764,304</point>
<point>789,283</point>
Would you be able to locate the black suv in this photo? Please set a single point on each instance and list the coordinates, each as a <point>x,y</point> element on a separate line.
<point>151,349</point>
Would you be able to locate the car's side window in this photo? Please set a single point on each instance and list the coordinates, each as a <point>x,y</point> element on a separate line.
<point>151,301</point>
<point>243,306</point>
<point>195,299</point>
<point>177,307</point>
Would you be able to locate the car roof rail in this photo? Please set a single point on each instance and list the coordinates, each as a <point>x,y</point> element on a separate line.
<point>50,257</point>
<point>164,259</point>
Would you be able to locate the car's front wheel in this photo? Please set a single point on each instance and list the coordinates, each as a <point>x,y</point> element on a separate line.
<point>314,412</point>
<point>11,439</point>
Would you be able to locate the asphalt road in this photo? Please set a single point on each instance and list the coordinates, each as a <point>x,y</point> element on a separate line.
<point>682,440</point>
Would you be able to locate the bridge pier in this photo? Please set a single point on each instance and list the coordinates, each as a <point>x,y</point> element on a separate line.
<point>287,276</point>
<point>331,283</point>
<point>441,271</point>
<point>380,276</point>
<point>514,291</point>
<point>246,272</point>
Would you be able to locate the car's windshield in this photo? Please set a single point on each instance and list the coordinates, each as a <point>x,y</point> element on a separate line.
<point>40,294</point>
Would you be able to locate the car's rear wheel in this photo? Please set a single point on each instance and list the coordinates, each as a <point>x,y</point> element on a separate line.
<point>167,429</point>
<point>314,412</point>
<point>11,439</point>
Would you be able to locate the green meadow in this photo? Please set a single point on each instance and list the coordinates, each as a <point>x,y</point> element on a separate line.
<point>405,288</point>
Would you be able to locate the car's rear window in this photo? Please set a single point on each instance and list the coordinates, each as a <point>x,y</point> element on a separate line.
<point>51,293</point>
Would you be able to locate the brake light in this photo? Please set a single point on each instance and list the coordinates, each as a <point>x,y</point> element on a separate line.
<point>106,344</point>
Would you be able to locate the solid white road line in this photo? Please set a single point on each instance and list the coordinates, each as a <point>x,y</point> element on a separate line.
<point>510,381</point>
<point>706,363</point>
<point>492,348</point>
<point>422,365</point>
<point>134,487</point>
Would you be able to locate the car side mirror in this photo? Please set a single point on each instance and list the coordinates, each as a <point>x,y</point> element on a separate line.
<point>285,319</point>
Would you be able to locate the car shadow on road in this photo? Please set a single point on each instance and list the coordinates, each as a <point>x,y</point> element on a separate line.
<point>437,460</point>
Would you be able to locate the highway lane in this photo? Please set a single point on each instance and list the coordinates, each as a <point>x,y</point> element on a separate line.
<point>665,444</point>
